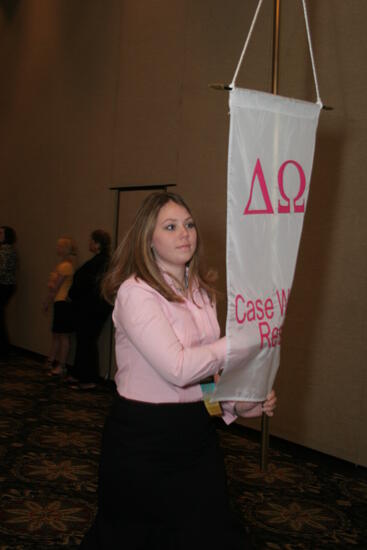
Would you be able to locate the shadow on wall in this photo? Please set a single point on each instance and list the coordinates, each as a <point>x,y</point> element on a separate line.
<point>300,366</point>
<point>9,7</point>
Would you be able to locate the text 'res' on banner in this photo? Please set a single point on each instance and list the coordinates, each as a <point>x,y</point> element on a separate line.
<point>271,149</point>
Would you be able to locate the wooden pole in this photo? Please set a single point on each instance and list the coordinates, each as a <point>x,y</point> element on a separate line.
<point>274,90</point>
<point>276,33</point>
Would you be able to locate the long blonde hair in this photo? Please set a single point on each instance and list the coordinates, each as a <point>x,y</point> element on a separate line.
<point>134,255</point>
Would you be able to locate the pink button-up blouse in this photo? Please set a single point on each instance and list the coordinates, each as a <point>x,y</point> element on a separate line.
<point>164,349</point>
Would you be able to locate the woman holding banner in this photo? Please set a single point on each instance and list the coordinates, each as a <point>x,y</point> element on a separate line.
<point>162,482</point>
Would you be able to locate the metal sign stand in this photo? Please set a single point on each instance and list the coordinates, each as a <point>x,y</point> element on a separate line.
<point>118,191</point>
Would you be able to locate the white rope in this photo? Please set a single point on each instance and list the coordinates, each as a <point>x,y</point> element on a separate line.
<point>233,83</point>
<point>311,54</point>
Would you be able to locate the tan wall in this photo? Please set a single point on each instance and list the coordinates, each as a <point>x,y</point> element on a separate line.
<point>98,94</point>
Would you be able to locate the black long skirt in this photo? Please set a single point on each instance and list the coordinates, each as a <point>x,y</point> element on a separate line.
<point>162,483</point>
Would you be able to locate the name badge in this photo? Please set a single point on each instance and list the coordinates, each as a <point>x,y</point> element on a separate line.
<point>214,408</point>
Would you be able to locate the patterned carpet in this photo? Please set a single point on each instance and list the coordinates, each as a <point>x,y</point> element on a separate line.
<point>49,448</point>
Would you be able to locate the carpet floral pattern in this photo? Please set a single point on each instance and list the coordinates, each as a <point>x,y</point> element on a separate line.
<point>50,441</point>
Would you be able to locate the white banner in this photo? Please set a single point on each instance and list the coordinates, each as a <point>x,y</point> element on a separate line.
<point>271,149</point>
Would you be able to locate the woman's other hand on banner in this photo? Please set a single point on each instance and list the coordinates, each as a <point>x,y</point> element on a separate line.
<point>249,409</point>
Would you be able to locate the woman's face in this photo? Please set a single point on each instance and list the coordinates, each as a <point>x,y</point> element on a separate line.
<point>174,238</point>
<point>94,247</point>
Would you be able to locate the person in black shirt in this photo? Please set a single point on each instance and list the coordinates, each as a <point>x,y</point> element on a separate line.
<point>8,267</point>
<point>90,312</point>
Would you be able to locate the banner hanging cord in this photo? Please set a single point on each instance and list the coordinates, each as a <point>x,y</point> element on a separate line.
<point>319,102</point>
<point>233,83</point>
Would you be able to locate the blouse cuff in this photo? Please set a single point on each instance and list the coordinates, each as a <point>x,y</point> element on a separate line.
<point>229,414</point>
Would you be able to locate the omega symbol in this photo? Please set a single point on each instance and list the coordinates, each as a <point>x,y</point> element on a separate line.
<point>284,204</point>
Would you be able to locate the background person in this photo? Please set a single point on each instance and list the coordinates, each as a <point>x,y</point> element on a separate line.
<point>59,283</point>
<point>8,268</point>
<point>162,481</point>
<point>90,311</point>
